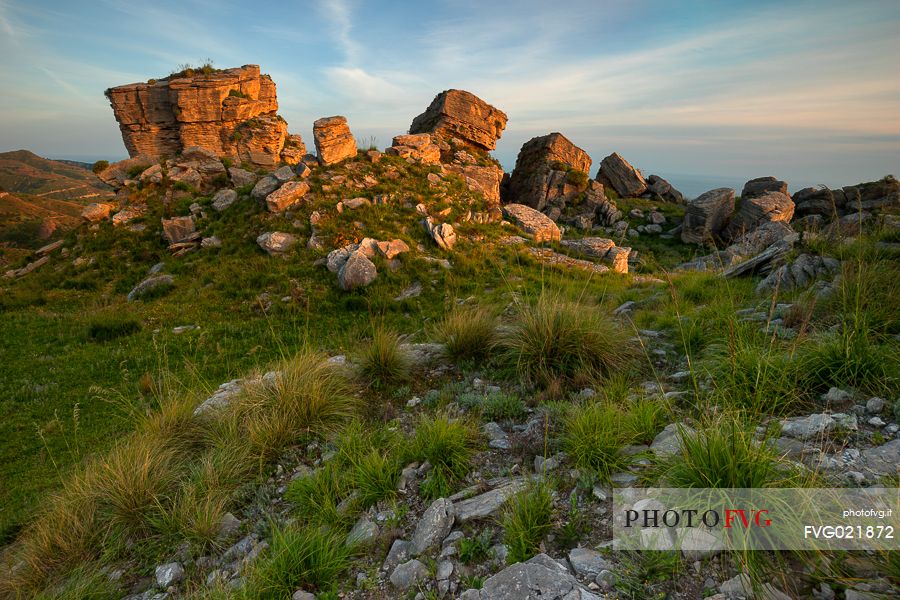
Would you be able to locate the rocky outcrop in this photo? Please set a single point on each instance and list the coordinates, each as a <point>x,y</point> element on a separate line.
<point>463,116</point>
<point>334,142</point>
<point>532,222</point>
<point>485,180</point>
<point>116,174</point>
<point>232,112</point>
<point>548,166</point>
<point>754,211</point>
<point>540,578</point>
<point>872,195</point>
<point>707,215</point>
<point>816,200</point>
<point>419,146</point>
<point>661,189</point>
<point>762,186</point>
<point>617,173</point>
<point>799,273</point>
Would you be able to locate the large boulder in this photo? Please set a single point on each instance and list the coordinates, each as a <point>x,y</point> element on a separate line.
<point>178,229</point>
<point>358,271</point>
<point>547,167</point>
<point>617,173</point>
<point>230,112</point>
<point>603,249</point>
<point>461,115</point>
<point>762,186</point>
<point>662,189</point>
<point>872,195</point>
<point>707,215</point>
<point>756,210</point>
<point>532,222</point>
<point>334,142</point>
<point>419,146</point>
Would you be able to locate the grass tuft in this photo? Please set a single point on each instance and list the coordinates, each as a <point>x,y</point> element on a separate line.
<point>384,362</point>
<point>527,520</point>
<point>469,333</point>
<point>593,436</point>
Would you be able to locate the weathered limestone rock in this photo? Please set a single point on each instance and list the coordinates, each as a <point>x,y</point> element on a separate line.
<point>275,242</point>
<point>169,574</point>
<point>799,273</point>
<point>542,170</point>
<point>390,250</point>
<point>707,215</point>
<point>443,234</point>
<point>488,503</point>
<point>151,284</point>
<point>617,173</point>
<point>461,115</point>
<point>264,187</point>
<point>417,146</point>
<point>756,210</point>
<point>483,179</point>
<point>286,196</point>
<point>603,249</point>
<point>408,574</point>
<point>230,112</point>
<point>294,150</point>
<point>223,199</point>
<point>540,578</point>
<point>96,211</point>
<point>816,200</point>
<point>662,189</point>
<point>762,186</point>
<point>537,224</point>
<point>435,524</point>
<point>334,142</point>
<point>178,229</point>
<point>872,195</point>
<point>357,271</point>
<point>241,177</point>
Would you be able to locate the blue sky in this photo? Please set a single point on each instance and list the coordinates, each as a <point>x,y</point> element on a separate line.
<point>807,91</point>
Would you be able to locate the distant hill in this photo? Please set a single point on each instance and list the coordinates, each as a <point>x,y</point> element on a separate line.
<point>23,172</point>
<point>41,197</point>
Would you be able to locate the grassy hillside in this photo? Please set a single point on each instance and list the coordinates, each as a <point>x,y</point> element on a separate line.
<point>93,380</point>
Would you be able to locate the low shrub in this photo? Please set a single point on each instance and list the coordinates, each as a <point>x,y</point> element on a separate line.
<point>469,333</point>
<point>502,406</point>
<point>99,166</point>
<point>556,339</point>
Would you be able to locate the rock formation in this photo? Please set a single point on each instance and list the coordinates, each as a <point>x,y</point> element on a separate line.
<point>662,189</point>
<point>617,173</point>
<point>232,113</point>
<point>707,215</point>
<point>461,115</point>
<point>548,166</point>
<point>417,146</point>
<point>484,179</point>
<point>334,142</point>
<point>763,185</point>
<point>756,210</point>
<point>532,222</point>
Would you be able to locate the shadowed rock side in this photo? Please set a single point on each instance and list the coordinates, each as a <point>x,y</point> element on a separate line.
<point>543,170</point>
<point>461,115</point>
<point>230,112</point>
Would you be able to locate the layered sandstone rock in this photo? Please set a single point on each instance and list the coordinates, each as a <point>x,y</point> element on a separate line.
<point>707,215</point>
<point>230,112</point>
<point>461,115</point>
<point>334,142</point>
<point>484,179</point>
<point>762,186</point>
<point>756,210</point>
<point>417,146</point>
<point>663,190</point>
<point>602,249</point>
<point>548,166</point>
<point>617,173</point>
<point>532,222</point>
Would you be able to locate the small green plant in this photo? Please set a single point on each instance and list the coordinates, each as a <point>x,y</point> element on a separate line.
<point>375,476</point>
<point>593,436</point>
<point>136,170</point>
<point>527,520</point>
<point>468,333</point>
<point>577,178</point>
<point>448,445</point>
<point>299,557</point>
<point>316,497</point>
<point>573,529</point>
<point>644,419</point>
<point>238,94</point>
<point>471,582</point>
<point>384,361</point>
<point>475,548</point>
<point>99,166</point>
<point>502,406</point>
